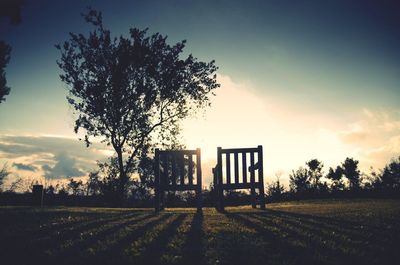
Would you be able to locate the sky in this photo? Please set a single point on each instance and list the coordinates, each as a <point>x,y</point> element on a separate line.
<point>305,79</point>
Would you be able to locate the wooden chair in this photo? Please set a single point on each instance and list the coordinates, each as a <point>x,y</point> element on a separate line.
<point>174,170</point>
<point>223,175</point>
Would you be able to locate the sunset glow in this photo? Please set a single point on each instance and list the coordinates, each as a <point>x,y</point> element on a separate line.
<point>303,86</point>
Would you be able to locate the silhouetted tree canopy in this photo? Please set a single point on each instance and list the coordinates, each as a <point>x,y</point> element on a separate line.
<point>93,185</point>
<point>4,172</point>
<point>50,190</point>
<point>5,51</point>
<point>389,179</point>
<point>335,175</point>
<point>11,9</point>
<point>75,186</point>
<point>351,172</point>
<point>315,172</point>
<point>299,181</point>
<point>131,91</point>
<point>276,189</point>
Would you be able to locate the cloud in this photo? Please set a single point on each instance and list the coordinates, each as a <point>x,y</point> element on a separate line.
<point>391,125</point>
<point>12,149</point>
<point>376,134</point>
<point>46,167</point>
<point>50,156</point>
<point>22,166</point>
<point>17,145</point>
<point>65,167</point>
<point>358,136</point>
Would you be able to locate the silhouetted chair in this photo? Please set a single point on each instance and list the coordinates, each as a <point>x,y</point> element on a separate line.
<point>174,171</point>
<point>223,177</point>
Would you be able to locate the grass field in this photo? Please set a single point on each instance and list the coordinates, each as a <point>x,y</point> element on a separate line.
<point>308,232</point>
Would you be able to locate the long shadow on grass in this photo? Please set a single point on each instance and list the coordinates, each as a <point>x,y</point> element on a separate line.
<point>154,248</point>
<point>318,240</point>
<point>324,248</point>
<point>344,242</point>
<point>75,252</point>
<point>280,249</point>
<point>83,234</point>
<point>327,221</point>
<point>34,243</point>
<point>355,230</point>
<point>74,229</point>
<point>312,226</point>
<point>194,250</point>
<point>350,226</point>
<point>43,222</point>
<point>112,252</point>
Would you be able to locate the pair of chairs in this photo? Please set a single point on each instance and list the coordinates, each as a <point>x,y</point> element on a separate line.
<point>238,168</point>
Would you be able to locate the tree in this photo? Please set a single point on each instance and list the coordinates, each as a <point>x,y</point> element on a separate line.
<point>11,9</point>
<point>3,174</point>
<point>93,184</point>
<point>315,172</point>
<point>389,179</point>
<point>76,187</point>
<point>50,190</point>
<point>5,51</point>
<point>335,175</point>
<point>351,172</point>
<point>15,185</point>
<point>63,192</point>
<point>109,180</point>
<point>369,180</point>
<point>131,91</point>
<point>299,181</point>
<point>145,182</point>
<point>146,172</point>
<point>276,189</point>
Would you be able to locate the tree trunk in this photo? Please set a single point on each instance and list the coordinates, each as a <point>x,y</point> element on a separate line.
<point>122,179</point>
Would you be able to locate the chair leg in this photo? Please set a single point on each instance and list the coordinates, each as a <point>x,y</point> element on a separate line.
<point>262,197</point>
<point>253,198</point>
<point>199,200</point>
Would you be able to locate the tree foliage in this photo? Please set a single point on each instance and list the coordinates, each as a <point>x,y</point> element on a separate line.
<point>5,51</point>
<point>389,179</point>
<point>109,173</point>
<point>93,184</point>
<point>315,172</point>
<point>335,175</point>
<point>276,189</point>
<point>131,90</point>
<point>351,172</point>
<point>4,172</point>
<point>299,181</point>
<point>75,187</point>
<point>12,10</point>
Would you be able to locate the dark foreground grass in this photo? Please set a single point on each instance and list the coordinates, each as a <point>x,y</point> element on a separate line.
<point>309,232</point>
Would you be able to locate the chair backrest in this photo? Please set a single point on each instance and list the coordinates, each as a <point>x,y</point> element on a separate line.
<point>231,172</point>
<point>174,171</point>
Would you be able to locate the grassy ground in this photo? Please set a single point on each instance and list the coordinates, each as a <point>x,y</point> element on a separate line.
<point>309,232</point>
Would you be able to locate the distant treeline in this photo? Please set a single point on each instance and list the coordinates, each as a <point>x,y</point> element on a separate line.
<point>309,182</point>
<point>346,180</point>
